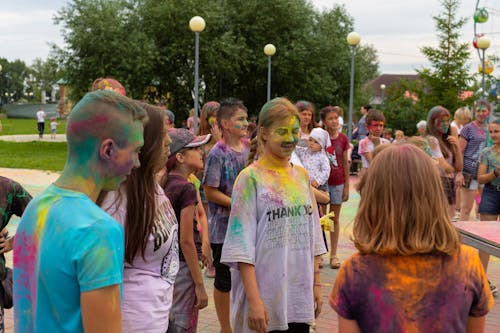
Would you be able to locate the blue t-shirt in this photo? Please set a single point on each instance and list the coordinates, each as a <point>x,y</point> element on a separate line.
<point>222,166</point>
<point>65,244</point>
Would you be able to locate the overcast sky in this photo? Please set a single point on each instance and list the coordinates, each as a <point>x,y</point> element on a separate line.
<point>396,28</point>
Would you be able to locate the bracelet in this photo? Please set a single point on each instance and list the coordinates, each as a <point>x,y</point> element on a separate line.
<point>318,285</point>
<point>317,272</point>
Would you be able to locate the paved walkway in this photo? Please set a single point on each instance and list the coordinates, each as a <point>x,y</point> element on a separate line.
<point>35,181</point>
<point>32,137</point>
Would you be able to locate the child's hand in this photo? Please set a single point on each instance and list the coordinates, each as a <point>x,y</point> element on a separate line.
<point>314,184</point>
<point>452,140</point>
<point>201,296</point>
<point>206,255</point>
<point>257,316</point>
<point>216,132</point>
<point>6,243</point>
<point>375,140</point>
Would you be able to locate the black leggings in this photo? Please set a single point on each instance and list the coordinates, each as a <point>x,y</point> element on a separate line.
<point>295,328</point>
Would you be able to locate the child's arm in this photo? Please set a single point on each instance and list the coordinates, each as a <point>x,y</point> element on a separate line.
<point>323,171</point>
<point>201,217</point>
<point>189,250</point>
<point>214,195</point>
<point>346,165</point>
<point>257,313</point>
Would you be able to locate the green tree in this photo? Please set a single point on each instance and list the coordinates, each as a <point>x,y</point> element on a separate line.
<point>104,38</point>
<point>12,78</point>
<point>402,108</point>
<point>449,72</point>
<point>148,42</point>
<point>43,75</point>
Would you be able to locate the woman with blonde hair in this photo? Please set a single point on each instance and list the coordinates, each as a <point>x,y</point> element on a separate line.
<point>462,117</point>
<point>411,274</point>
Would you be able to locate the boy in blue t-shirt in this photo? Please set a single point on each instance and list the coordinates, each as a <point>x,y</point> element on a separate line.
<point>68,253</point>
<point>224,162</point>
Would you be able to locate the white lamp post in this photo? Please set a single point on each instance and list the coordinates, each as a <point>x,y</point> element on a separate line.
<point>382,88</point>
<point>197,25</point>
<point>483,43</point>
<point>269,51</point>
<point>353,40</point>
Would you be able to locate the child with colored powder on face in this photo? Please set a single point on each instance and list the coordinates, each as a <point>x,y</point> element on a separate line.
<point>338,180</point>
<point>224,162</point>
<point>443,141</point>
<point>488,173</point>
<point>151,249</point>
<point>189,290</point>
<point>13,201</point>
<point>68,253</point>
<point>411,274</point>
<point>375,124</point>
<point>274,240</point>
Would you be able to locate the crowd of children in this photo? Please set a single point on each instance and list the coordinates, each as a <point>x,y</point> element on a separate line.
<point>249,205</point>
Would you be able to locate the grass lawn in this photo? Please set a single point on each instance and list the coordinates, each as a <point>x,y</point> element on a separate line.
<point>12,126</point>
<point>33,155</point>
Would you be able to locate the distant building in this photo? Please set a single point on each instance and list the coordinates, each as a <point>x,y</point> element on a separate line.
<point>385,81</point>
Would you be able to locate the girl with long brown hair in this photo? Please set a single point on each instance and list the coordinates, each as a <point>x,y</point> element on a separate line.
<point>151,248</point>
<point>410,273</point>
<point>443,141</point>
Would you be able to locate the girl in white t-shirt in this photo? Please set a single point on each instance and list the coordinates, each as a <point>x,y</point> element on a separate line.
<point>151,247</point>
<point>273,241</point>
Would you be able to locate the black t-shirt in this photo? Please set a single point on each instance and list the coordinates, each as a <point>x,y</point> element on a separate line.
<point>182,194</point>
<point>13,200</point>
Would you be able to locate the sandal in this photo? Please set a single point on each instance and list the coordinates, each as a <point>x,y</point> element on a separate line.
<point>334,262</point>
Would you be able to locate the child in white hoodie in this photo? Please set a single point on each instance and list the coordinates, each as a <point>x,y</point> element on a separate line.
<point>314,158</point>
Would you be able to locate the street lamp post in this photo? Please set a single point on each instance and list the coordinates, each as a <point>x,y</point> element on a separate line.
<point>0,95</point>
<point>483,43</point>
<point>353,40</point>
<point>382,88</point>
<point>197,25</point>
<point>269,51</point>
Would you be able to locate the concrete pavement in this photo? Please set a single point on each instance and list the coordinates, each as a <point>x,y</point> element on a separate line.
<point>35,181</point>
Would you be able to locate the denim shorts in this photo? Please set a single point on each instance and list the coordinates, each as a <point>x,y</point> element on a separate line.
<point>336,194</point>
<point>490,200</point>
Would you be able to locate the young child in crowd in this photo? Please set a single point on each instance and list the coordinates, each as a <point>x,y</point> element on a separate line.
<point>151,249</point>
<point>375,123</point>
<point>13,201</point>
<point>189,290</point>
<point>314,158</point>
<point>208,125</point>
<point>53,128</point>
<point>399,137</point>
<point>338,180</point>
<point>443,141</point>
<point>224,162</point>
<point>489,174</point>
<point>273,238</point>
<point>405,276</point>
